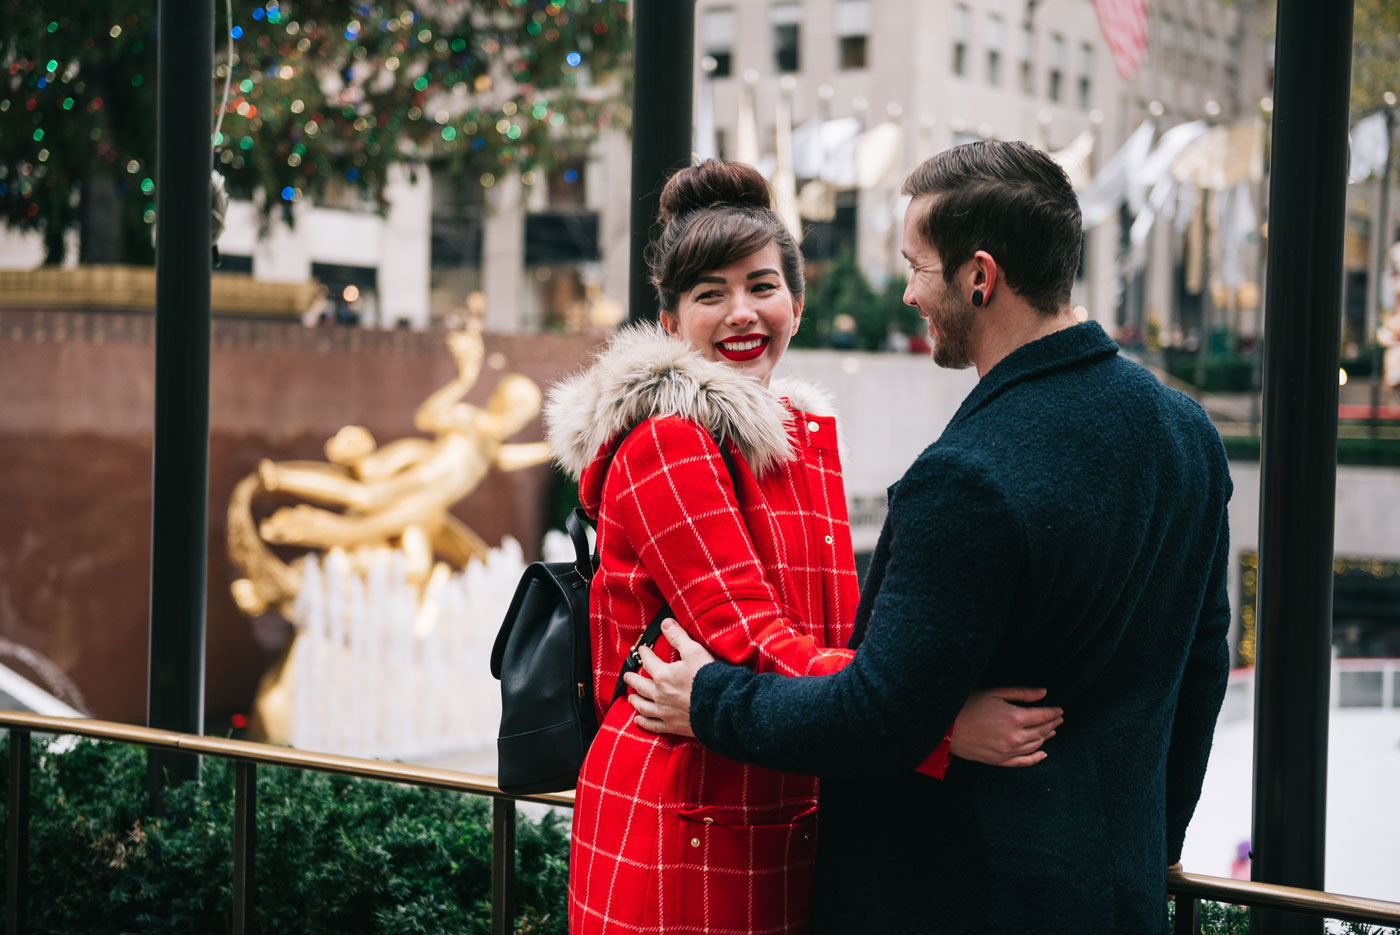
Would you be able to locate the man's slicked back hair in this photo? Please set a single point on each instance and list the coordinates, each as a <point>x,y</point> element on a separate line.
<point>1011,200</point>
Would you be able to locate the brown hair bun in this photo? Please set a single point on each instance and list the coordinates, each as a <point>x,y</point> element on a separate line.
<point>713,184</point>
<point>712,215</point>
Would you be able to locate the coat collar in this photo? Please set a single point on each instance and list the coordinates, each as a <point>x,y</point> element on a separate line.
<point>1060,350</point>
<point>644,373</point>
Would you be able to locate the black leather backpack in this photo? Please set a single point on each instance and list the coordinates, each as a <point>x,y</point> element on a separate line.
<point>544,661</point>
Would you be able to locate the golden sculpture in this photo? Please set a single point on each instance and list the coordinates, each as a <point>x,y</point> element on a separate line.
<point>392,496</point>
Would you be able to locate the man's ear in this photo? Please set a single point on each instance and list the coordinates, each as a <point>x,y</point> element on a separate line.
<point>984,274</point>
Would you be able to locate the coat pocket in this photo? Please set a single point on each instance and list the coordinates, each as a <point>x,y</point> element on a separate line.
<point>746,869</point>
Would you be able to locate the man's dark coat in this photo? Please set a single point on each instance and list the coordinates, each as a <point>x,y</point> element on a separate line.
<point>1068,530</point>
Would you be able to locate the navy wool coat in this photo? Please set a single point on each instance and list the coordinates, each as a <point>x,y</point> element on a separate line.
<point>1068,530</point>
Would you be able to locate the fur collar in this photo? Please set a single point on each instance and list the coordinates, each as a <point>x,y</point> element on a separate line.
<point>643,373</point>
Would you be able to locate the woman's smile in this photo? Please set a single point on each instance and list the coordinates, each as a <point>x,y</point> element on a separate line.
<point>743,347</point>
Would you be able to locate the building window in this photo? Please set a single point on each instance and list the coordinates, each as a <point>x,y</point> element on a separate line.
<point>786,19</point>
<point>566,185</point>
<point>1086,76</point>
<point>996,37</point>
<point>1232,75</point>
<point>852,33</point>
<point>962,28</point>
<point>1027,59</point>
<point>717,38</point>
<point>1166,42</point>
<point>1188,52</point>
<point>1210,55</point>
<point>1057,66</point>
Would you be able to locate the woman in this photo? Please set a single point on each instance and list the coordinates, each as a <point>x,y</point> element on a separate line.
<point>667,836</point>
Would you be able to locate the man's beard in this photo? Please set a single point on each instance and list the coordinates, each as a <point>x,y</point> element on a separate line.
<point>952,347</point>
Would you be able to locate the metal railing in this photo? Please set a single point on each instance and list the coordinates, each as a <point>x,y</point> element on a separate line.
<point>247,756</point>
<point>1190,888</point>
<point>1187,888</point>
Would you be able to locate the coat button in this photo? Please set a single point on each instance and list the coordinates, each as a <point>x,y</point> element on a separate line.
<point>813,426</point>
<point>829,540</point>
<point>694,842</point>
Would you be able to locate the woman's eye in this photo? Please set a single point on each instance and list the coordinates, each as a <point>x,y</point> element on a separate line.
<point>707,294</point>
<point>764,287</point>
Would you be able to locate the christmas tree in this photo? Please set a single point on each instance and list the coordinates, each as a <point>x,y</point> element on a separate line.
<point>321,94</point>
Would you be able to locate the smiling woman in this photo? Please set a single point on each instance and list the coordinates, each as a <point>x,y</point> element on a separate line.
<point>667,836</point>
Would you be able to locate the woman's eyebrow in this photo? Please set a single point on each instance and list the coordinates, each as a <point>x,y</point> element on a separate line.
<point>762,272</point>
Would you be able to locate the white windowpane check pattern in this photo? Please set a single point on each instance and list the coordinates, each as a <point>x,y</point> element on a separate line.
<point>760,571</point>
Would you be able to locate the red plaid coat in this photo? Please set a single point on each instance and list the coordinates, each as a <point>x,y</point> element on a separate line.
<point>669,837</point>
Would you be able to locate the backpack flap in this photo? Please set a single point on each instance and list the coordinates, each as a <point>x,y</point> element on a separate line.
<point>540,583</point>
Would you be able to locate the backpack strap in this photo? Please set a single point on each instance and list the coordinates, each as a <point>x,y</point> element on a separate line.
<point>649,636</point>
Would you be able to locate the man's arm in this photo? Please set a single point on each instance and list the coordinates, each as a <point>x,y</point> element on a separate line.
<point>956,551</point>
<point>1198,700</point>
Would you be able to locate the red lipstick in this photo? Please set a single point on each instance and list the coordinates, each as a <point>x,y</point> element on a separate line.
<point>727,351</point>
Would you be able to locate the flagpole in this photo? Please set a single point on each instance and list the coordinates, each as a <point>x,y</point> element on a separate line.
<point>1373,310</point>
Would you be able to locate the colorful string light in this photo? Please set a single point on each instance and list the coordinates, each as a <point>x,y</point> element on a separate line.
<point>317,100</point>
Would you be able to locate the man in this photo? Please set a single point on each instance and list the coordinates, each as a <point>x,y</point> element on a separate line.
<point>1068,530</point>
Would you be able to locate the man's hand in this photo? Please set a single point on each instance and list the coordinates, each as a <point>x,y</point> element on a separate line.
<point>992,730</point>
<point>662,702</point>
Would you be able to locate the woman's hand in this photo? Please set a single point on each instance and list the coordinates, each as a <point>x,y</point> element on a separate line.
<point>992,730</point>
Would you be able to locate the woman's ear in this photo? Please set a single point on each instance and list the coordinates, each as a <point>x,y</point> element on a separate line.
<point>670,321</point>
<point>797,304</point>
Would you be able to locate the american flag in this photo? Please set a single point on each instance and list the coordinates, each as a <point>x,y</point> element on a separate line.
<point>1124,25</point>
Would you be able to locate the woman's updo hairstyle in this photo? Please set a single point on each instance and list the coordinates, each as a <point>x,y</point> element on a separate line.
<point>711,215</point>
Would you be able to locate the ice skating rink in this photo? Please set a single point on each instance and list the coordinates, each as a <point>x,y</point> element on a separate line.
<point>1363,795</point>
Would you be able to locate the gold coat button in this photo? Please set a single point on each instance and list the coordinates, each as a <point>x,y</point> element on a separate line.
<point>694,842</point>
<point>813,426</point>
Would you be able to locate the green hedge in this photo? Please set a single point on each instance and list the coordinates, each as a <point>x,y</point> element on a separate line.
<point>334,854</point>
<point>1224,374</point>
<point>1376,452</point>
<point>1220,919</point>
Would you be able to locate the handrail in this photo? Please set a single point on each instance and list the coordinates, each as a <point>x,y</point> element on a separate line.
<point>247,755</point>
<point>270,755</point>
<point>1289,898</point>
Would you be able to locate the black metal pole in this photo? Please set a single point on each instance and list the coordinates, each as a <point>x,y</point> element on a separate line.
<point>663,43</point>
<point>180,487</point>
<point>1298,458</point>
<point>245,846</point>
<point>502,866</point>
<point>17,836</point>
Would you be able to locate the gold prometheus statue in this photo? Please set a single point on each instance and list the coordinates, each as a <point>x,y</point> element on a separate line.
<point>371,497</point>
